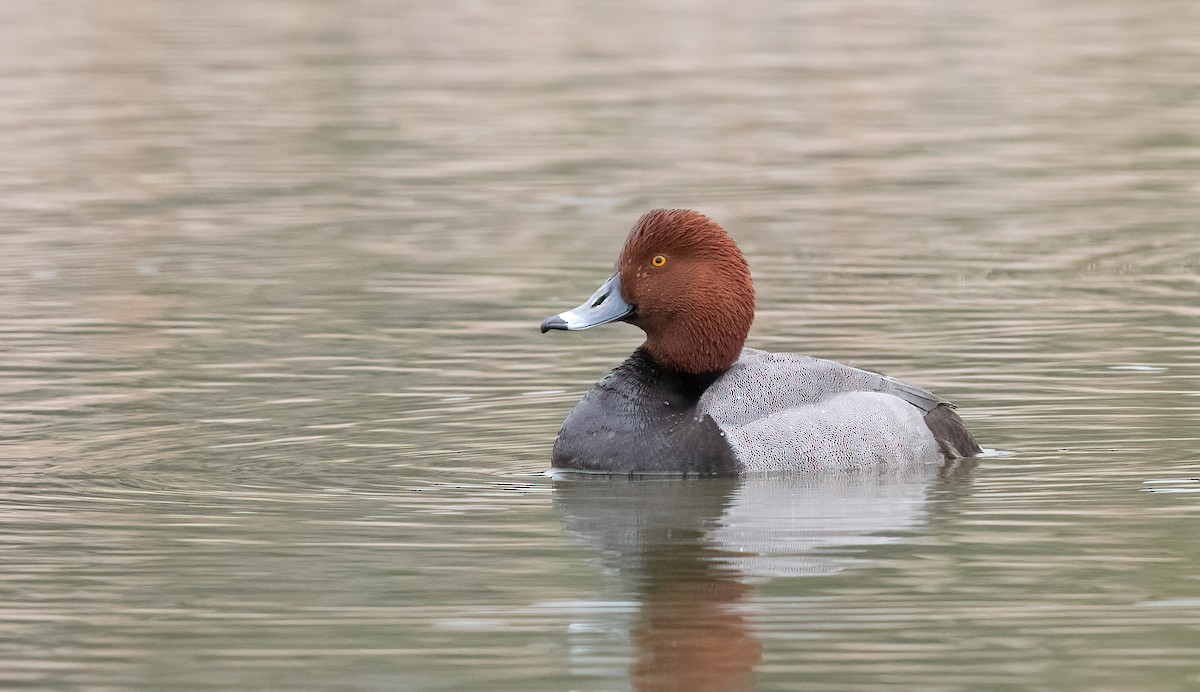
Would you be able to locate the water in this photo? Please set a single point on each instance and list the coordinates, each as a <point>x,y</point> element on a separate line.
<point>274,405</point>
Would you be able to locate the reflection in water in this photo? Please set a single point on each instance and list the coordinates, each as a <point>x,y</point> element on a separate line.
<point>693,550</point>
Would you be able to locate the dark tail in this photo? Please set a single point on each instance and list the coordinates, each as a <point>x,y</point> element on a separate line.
<point>951,433</point>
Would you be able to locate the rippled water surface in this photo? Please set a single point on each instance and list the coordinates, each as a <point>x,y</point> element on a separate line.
<point>274,405</point>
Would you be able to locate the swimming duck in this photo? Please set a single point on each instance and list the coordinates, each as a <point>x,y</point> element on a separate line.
<point>692,399</point>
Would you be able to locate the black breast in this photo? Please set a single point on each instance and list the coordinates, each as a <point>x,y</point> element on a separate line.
<point>641,418</point>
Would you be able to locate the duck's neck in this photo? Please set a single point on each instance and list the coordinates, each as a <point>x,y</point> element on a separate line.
<point>688,383</point>
<point>697,350</point>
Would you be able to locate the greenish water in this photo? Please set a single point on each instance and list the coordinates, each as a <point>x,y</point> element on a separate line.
<point>274,406</point>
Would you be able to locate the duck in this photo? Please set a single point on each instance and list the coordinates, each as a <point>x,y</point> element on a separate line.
<point>694,400</point>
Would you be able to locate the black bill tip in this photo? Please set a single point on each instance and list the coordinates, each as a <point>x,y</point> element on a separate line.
<point>556,322</point>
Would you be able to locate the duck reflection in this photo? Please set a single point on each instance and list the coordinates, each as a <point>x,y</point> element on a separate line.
<point>693,551</point>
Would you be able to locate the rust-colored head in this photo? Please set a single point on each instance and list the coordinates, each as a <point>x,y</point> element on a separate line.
<point>690,289</point>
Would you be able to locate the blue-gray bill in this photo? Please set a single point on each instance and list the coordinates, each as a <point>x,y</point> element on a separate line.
<point>606,305</point>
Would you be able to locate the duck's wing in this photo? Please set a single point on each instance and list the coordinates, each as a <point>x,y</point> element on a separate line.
<point>921,398</point>
<point>761,384</point>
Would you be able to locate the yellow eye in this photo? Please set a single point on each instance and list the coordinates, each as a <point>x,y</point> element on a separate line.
<point>658,260</point>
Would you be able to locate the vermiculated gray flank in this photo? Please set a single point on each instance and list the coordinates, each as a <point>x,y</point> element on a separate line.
<point>783,412</point>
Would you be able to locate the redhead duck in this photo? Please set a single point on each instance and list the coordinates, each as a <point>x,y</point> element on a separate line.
<point>692,399</point>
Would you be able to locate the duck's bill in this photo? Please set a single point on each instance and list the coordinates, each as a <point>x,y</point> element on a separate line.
<point>606,305</point>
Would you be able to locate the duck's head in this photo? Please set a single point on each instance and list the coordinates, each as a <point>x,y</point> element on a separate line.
<point>684,282</point>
